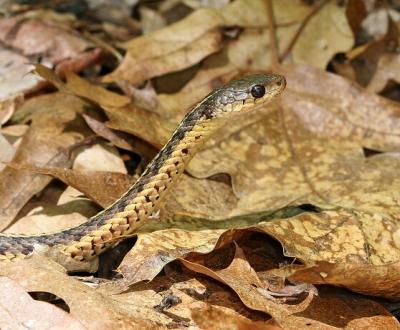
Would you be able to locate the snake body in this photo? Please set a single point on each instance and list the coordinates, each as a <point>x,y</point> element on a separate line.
<point>131,211</point>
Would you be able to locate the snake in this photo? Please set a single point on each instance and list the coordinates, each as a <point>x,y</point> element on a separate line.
<point>122,218</point>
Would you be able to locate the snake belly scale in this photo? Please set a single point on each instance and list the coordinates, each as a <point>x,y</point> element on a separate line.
<point>131,211</point>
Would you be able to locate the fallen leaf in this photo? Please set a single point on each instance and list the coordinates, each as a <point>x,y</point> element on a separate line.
<point>99,157</point>
<point>45,144</point>
<point>153,251</point>
<point>17,308</point>
<point>326,34</point>
<point>310,151</point>
<point>38,222</point>
<point>101,130</point>
<point>336,308</point>
<point>87,307</point>
<point>50,39</point>
<point>202,199</point>
<point>387,70</point>
<point>151,20</point>
<point>102,187</point>
<point>242,278</point>
<point>8,106</point>
<point>7,152</point>
<point>15,75</point>
<point>14,131</point>
<point>213,318</point>
<point>173,48</point>
<point>333,244</point>
<point>200,35</point>
<point>123,115</point>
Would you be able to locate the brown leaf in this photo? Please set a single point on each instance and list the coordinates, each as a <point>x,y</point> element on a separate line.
<point>104,188</point>
<point>17,308</point>
<point>91,309</point>
<point>213,318</point>
<point>99,157</point>
<point>100,129</point>
<point>38,222</point>
<point>365,58</point>
<point>202,199</point>
<point>198,36</point>
<point>333,244</point>
<point>242,278</point>
<point>7,152</point>
<point>344,109</point>
<point>200,33</point>
<point>15,75</point>
<point>123,115</point>
<point>206,79</point>
<point>310,151</point>
<point>328,310</point>
<point>153,251</point>
<point>14,131</point>
<point>152,299</point>
<point>334,308</point>
<point>8,107</point>
<point>356,12</point>
<point>388,69</point>
<point>46,37</point>
<point>321,40</point>
<point>45,144</point>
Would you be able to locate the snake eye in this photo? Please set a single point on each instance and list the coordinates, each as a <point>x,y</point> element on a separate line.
<point>258,91</point>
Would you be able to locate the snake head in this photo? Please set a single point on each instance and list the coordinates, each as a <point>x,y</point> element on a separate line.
<point>243,94</point>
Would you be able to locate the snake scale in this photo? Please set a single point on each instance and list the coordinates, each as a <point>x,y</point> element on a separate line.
<point>131,211</point>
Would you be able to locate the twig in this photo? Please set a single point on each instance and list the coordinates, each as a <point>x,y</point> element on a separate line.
<point>272,34</point>
<point>300,29</point>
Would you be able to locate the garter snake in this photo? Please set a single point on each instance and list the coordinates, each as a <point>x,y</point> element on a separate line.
<point>129,212</point>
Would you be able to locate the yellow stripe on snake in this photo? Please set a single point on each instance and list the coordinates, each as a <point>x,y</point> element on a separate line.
<point>131,211</point>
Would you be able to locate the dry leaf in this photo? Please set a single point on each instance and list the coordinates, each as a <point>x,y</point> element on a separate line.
<point>8,107</point>
<point>48,38</point>
<point>172,48</point>
<point>38,222</point>
<point>99,157</point>
<point>91,309</point>
<point>7,152</point>
<point>153,251</point>
<point>101,130</point>
<point>336,308</point>
<point>14,131</point>
<point>326,34</point>
<point>46,143</point>
<point>213,318</point>
<point>102,187</point>
<point>172,299</point>
<point>387,70</point>
<point>199,35</point>
<point>310,151</point>
<point>333,244</point>
<point>242,278</point>
<point>18,308</point>
<point>151,20</point>
<point>123,115</point>
<point>15,75</point>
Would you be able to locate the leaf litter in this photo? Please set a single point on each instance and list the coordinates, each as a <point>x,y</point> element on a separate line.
<point>274,214</point>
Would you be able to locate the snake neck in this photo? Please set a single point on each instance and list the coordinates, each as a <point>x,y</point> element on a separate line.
<point>129,212</point>
<point>132,210</point>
